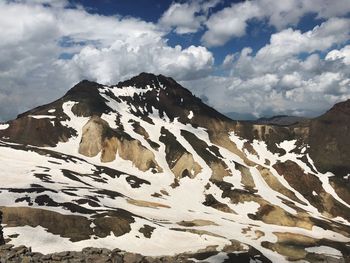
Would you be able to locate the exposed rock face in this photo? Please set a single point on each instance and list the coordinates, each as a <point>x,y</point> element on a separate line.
<point>93,133</point>
<point>180,161</point>
<point>131,150</point>
<point>329,140</point>
<point>97,136</point>
<point>89,100</point>
<point>39,132</point>
<point>186,166</point>
<point>74,227</point>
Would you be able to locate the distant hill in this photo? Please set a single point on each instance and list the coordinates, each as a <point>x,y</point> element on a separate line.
<point>281,120</point>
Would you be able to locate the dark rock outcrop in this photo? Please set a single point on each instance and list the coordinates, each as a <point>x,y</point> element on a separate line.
<point>329,140</point>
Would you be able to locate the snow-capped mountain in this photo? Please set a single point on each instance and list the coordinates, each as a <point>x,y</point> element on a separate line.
<point>147,167</point>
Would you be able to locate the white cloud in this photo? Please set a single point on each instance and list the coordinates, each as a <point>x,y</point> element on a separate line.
<point>182,17</point>
<point>229,22</point>
<point>187,17</point>
<point>105,30</point>
<point>51,3</point>
<point>285,46</point>
<point>228,60</point>
<point>232,21</point>
<point>121,61</point>
<point>341,54</point>
<point>277,80</point>
<point>106,49</point>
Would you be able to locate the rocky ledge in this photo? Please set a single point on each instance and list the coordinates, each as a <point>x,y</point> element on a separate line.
<point>22,254</point>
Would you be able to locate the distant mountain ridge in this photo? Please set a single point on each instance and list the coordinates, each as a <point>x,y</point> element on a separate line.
<point>146,167</point>
<point>281,120</point>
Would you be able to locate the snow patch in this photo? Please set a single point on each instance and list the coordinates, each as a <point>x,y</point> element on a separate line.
<point>288,146</point>
<point>4,126</point>
<point>246,208</point>
<point>324,250</point>
<point>42,116</point>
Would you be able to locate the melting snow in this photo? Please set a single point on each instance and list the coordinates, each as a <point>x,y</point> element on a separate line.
<point>4,126</point>
<point>288,146</point>
<point>42,116</point>
<point>324,250</point>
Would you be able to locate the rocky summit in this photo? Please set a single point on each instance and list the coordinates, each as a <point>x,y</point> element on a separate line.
<point>144,171</point>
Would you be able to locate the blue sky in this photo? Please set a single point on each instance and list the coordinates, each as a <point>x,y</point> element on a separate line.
<point>248,58</point>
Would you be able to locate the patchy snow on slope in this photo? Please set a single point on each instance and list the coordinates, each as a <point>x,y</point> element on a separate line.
<point>324,178</point>
<point>42,116</point>
<point>246,208</point>
<point>288,146</point>
<point>129,91</point>
<point>190,115</point>
<point>324,250</point>
<point>162,241</point>
<point>75,122</point>
<point>237,140</point>
<point>110,118</point>
<point>220,257</point>
<point>4,126</point>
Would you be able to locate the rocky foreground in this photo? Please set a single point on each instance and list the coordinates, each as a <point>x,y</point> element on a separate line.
<point>9,253</point>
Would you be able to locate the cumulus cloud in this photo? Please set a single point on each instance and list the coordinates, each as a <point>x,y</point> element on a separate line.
<point>45,49</point>
<point>289,43</point>
<point>187,17</point>
<point>342,54</point>
<point>120,60</point>
<point>277,80</point>
<point>229,22</point>
<point>232,21</point>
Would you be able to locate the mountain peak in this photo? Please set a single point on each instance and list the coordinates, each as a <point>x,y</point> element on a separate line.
<point>341,107</point>
<point>149,80</point>
<point>84,87</point>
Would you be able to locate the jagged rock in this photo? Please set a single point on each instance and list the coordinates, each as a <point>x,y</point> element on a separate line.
<point>132,258</point>
<point>98,137</point>
<point>186,166</point>
<point>93,133</point>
